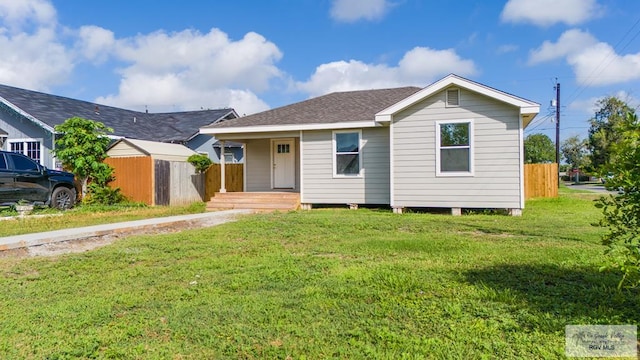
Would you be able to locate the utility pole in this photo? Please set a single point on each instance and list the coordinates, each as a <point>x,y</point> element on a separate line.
<point>558,128</point>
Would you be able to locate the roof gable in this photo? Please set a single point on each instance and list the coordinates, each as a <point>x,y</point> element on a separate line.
<point>528,109</point>
<point>50,110</point>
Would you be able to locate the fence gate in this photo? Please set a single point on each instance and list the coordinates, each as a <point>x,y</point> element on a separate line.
<point>163,182</point>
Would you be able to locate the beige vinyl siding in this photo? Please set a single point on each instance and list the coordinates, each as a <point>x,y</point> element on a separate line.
<point>258,165</point>
<point>322,187</point>
<point>496,179</point>
<point>123,149</point>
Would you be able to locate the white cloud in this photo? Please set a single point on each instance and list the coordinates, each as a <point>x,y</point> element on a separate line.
<point>19,14</point>
<point>189,70</point>
<point>549,12</point>
<point>570,42</point>
<point>354,10</point>
<point>589,106</point>
<point>170,92</point>
<point>33,56</point>
<point>586,106</point>
<point>95,43</point>
<point>418,67</point>
<point>600,65</point>
<point>507,48</point>
<point>185,70</point>
<point>594,63</point>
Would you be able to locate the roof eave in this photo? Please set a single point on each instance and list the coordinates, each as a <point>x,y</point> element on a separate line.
<point>291,127</point>
<point>231,111</point>
<point>27,115</point>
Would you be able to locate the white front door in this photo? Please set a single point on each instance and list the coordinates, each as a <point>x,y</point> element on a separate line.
<point>283,171</point>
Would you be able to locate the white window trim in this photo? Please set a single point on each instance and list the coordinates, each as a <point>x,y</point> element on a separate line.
<point>25,140</point>
<point>231,155</point>
<point>471,148</point>
<point>446,101</point>
<point>333,153</point>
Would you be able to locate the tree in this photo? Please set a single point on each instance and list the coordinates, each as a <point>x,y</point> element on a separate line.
<point>82,148</point>
<point>539,149</point>
<point>604,131</point>
<point>575,152</point>
<point>622,211</point>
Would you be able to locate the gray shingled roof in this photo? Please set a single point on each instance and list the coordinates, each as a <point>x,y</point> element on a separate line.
<point>331,108</point>
<point>166,127</point>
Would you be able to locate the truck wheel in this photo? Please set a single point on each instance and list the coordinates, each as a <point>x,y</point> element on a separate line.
<point>63,198</point>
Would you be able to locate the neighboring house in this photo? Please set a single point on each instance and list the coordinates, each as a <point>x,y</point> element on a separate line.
<point>454,144</point>
<point>28,118</point>
<point>233,152</point>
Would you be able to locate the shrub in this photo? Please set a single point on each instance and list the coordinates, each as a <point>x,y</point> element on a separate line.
<point>622,211</point>
<point>200,161</point>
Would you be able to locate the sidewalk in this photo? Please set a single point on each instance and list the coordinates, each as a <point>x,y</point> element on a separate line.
<point>120,229</point>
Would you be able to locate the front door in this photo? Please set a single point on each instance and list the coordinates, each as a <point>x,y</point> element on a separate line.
<point>284,171</point>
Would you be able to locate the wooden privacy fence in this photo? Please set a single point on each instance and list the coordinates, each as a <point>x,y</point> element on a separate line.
<point>540,180</point>
<point>134,177</point>
<point>160,182</point>
<point>177,183</point>
<point>234,179</point>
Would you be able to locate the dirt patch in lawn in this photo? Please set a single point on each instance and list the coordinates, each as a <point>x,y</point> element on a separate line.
<point>94,242</point>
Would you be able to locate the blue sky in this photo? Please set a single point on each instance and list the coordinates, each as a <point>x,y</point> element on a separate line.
<point>253,55</point>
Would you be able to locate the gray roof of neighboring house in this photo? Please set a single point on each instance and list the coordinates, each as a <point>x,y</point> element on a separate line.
<point>331,108</point>
<point>53,110</point>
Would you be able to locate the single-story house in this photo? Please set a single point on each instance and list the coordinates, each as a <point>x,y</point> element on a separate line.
<point>453,144</point>
<point>28,119</point>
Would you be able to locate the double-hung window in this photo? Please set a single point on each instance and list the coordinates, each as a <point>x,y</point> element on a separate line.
<point>347,156</point>
<point>454,148</point>
<point>29,147</point>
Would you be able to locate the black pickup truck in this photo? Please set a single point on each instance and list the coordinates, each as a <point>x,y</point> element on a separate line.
<point>24,180</point>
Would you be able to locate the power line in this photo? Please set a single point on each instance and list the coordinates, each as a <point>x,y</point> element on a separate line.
<point>608,59</point>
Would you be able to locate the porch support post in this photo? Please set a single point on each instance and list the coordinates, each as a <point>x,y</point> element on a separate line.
<point>223,174</point>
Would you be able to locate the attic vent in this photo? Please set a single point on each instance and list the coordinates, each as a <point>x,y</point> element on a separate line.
<point>453,97</point>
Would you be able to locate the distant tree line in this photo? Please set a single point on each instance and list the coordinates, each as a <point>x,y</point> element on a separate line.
<point>611,151</point>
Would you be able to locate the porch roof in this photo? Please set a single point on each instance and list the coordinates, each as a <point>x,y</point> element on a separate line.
<point>335,110</point>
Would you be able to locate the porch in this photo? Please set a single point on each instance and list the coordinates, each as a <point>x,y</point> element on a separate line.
<point>260,201</point>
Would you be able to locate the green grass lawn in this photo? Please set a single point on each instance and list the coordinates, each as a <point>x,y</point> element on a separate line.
<point>327,283</point>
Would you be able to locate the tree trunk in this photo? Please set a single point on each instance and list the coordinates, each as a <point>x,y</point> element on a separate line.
<point>84,181</point>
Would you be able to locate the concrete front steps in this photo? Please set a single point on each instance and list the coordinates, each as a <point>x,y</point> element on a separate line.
<point>261,201</point>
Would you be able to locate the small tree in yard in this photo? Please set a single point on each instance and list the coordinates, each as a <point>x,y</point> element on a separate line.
<point>622,211</point>
<point>603,130</point>
<point>82,148</point>
<point>575,152</point>
<point>539,149</point>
